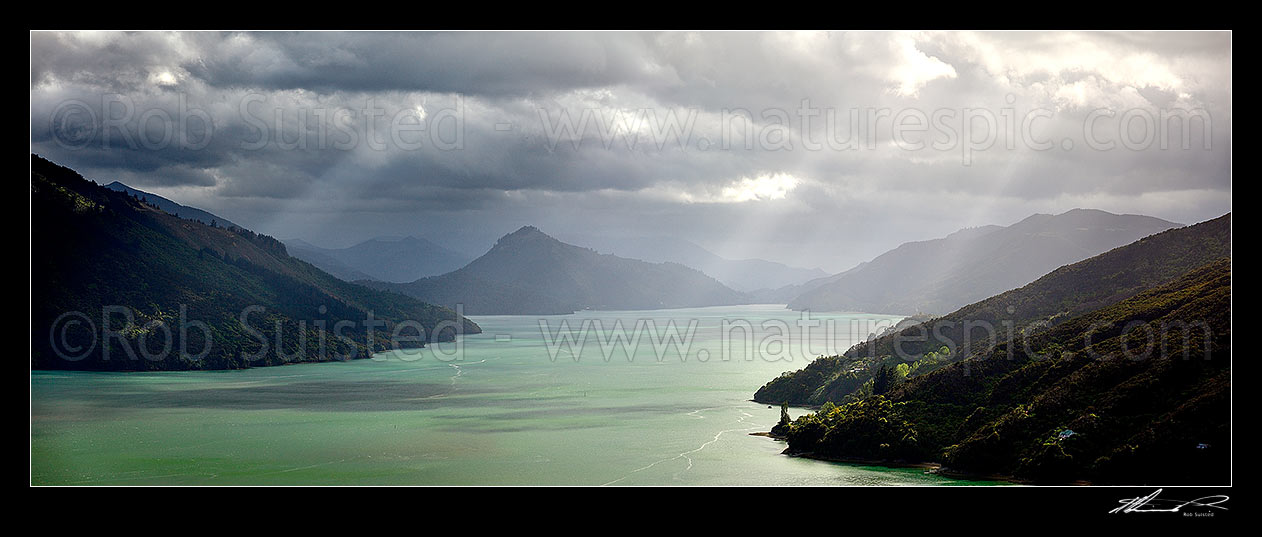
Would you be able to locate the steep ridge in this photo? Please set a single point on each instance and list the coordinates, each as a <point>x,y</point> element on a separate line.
<point>137,274</point>
<point>1061,295</point>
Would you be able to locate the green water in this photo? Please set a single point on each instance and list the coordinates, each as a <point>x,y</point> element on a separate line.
<point>502,410</point>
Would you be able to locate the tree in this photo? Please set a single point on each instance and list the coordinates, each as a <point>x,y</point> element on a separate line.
<point>882,381</point>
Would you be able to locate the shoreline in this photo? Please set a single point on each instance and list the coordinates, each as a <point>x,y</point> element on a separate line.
<point>931,466</point>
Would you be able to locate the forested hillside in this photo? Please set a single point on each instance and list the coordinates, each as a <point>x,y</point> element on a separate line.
<point>1057,297</point>
<point>136,275</point>
<point>1133,393</point>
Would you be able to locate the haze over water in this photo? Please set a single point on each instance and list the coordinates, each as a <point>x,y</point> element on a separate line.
<point>505,410</point>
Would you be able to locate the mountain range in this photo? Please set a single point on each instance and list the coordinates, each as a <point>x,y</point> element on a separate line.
<point>747,275</point>
<point>941,275</point>
<point>529,272</point>
<point>389,259</point>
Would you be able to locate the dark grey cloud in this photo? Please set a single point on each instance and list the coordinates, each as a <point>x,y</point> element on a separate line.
<point>301,141</point>
<point>494,64</point>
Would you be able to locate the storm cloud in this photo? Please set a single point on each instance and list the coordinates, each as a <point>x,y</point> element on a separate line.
<point>811,148</point>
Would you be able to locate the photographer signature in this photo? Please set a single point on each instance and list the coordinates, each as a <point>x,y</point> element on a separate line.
<point>1152,504</point>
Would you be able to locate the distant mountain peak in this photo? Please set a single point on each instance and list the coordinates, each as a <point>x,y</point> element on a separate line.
<point>1080,212</point>
<point>974,263</point>
<point>385,258</point>
<point>410,239</point>
<point>526,233</point>
<point>529,272</point>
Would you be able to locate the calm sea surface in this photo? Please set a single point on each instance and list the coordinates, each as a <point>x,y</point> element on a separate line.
<point>510,406</point>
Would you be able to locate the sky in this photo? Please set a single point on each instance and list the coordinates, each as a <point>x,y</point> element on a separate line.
<point>815,149</point>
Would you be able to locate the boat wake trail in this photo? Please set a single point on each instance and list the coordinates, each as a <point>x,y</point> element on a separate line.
<point>454,378</point>
<point>687,455</point>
